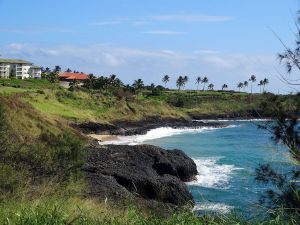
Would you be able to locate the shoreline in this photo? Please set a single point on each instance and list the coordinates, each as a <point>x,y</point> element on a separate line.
<point>112,132</point>
<point>120,164</point>
<point>130,128</point>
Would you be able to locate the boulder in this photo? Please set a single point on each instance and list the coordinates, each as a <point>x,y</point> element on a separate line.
<point>143,171</point>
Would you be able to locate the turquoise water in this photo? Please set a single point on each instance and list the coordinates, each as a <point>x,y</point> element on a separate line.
<point>226,160</point>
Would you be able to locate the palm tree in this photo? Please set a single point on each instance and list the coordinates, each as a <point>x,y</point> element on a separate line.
<point>211,87</point>
<point>240,85</point>
<point>166,79</point>
<point>114,81</point>
<point>198,81</point>
<point>185,80</point>
<point>57,69</point>
<point>152,86</point>
<point>245,84</point>
<point>180,82</point>
<point>138,85</point>
<point>265,82</point>
<point>224,86</point>
<point>252,80</point>
<point>261,83</point>
<point>204,81</point>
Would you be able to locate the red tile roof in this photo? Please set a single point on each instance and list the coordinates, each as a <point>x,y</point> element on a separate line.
<point>74,76</point>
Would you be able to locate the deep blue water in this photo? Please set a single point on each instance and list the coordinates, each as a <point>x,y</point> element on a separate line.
<point>226,160</point>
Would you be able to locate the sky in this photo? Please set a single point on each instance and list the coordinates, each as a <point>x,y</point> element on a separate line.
<point>226,41</point>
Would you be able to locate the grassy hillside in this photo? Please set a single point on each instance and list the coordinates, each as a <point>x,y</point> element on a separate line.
<point>102,106</point>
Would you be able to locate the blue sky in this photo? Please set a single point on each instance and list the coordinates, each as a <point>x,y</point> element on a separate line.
<point>226,41</point>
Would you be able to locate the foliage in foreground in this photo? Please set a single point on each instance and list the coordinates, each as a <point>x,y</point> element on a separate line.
<point>67,210</point>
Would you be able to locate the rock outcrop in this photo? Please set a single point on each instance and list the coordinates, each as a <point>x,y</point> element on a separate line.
<point>144,172</point>
<point>126,128</point>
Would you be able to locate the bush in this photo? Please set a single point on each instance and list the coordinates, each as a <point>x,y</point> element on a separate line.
<point>40,92</point>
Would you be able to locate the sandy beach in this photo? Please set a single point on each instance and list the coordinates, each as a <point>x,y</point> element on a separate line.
<point>103,137</point>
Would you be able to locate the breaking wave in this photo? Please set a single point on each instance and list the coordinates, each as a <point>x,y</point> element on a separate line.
<point>213,207</point>
<point>158,133</point>
<point>211,174</point>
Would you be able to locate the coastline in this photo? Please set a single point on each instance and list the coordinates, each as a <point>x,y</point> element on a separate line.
<point>112,132</point>
<point>130,128</point>
<point>137,158</point>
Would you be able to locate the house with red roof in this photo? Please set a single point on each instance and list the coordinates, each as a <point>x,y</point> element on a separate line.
<point>67,77</point>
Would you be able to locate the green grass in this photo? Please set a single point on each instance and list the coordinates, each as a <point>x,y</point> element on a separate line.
<point>11,90</point>
<point>10,86</point>
<point>27,83</point>
<point>62,210</point>
<point>80,106</point>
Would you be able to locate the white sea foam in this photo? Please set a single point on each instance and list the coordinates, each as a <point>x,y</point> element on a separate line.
<point>158,133</point>
<point>211,174</point>
<point>234,120</point>
<point>213,207</point>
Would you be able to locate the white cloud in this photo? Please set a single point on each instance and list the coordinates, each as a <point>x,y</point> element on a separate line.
<point>191,18</point>
<point>133,63</point>
<point>164,32</point>
<point>138,21</point>
<point>105,23</point>
<point>35,30</point>
<point>112,60</point>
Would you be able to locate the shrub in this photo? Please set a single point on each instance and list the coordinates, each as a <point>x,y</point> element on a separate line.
<point>40,92</point>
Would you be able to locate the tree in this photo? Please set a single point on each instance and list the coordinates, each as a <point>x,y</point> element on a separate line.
<point>198,81</point>
<point>180,82</point>
<point>90,82</point>
<point>245,84</point>
<point>57,69</point>
<point>265,82</point>
<point>152,86</point>
<point>260,84</point>
<point>114,81</point>
<point>284,196</point>
<point>204,81</point>
<point>138,85</point>
<point>185,80</point>
<point>166,79</point>
<point>53,76</point>
<point>101,83</point>
<point>73,85</point>
<point>224,86</point>
<point>45,72</point>
<point>252,80</point>
<point>210,87</point>
<point>68,70</point>
<point>240,85</point>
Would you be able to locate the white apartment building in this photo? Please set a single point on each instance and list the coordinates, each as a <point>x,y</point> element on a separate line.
<point>18,68</point>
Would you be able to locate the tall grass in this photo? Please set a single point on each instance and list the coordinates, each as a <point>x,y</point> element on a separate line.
<point>61,210</point>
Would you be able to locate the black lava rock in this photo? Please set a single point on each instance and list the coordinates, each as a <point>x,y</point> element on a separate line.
<point>143,171</point>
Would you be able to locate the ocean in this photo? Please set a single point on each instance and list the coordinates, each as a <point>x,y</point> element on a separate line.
<point>226,160</point>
